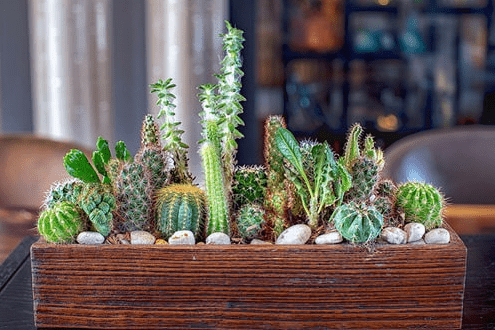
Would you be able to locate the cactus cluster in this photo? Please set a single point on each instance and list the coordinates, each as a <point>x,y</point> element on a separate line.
<point>300,181</point>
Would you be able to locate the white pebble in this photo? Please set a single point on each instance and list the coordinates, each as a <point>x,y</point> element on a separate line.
<point>333,237</point>
<point>437,236</point>
<point>182,237</point>
<point>218,239</point>
<point>142,237</point>
<point>90,237</point>
<point>415,231</point>
<point>259,242</point>
<point>394,235</point>
<point>297,234</point>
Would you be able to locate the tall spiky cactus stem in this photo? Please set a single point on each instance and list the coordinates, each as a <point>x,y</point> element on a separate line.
<point>180,207</point>
<point>364,174</point>
<point>172,135</point>
<point>421,202</point>
<point>352,150</point>
<point>61,222</point>
<point>155,160</point>
<point>133,192</point>
<point>279,193</point>
<point>384,201</point>
<point>358,222</point>
<point>218,207</point>
<point>98,202</point>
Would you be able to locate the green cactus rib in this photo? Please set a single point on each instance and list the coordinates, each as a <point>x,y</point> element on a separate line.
<point>250,221</point>
<point>180,207</point>
<point>66,191</point>
<point>215,190</point>
<point>98,202</point>
<point>61,223</point>
<point>358,223</point>
<point>421,202</point>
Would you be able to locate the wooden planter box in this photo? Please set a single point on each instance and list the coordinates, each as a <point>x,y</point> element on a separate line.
<point>249,286</point>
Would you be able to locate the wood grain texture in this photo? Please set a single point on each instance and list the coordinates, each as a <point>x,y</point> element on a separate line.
<point>250,287</point>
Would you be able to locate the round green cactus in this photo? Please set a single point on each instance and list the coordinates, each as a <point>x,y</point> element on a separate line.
<point>421,202</point>
<point>180,207</point>
<point>249,185</point>
<point>250,221</point>
<point>67,191</point>
<point>61,223</point>
<point>358,222</point>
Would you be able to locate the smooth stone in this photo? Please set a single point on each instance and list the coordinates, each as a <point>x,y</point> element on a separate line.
<point>142,237</point>
<point>394,235</point>
<point>418,242</point>
<point>259,242</point>
<point>161,241</point>
<point>218,239</point>
<point>297,234</point>
<point>437,236</point>
<point>182,237</point>
<point>415,231</point>
<point>90,237</point>
<point>333,237</point>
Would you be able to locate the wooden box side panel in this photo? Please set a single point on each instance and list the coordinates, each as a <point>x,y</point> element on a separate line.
<point>125,287</point>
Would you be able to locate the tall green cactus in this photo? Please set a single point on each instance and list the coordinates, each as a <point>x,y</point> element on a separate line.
<point>216,193</point>
<point>61,222</point>
<point>358,223</point>
<point>180,207</point>
<point>421,202</point>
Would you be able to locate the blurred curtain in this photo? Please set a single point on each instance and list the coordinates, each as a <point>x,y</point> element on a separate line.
<point>71,69</point>
<point>183,43</point>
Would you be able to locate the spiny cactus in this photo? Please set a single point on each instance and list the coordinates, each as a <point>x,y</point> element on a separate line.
<point>276,216</point>
<point>249,185</point>
<point>218,220</point>
<point>66,191</point>
<point>384,201</point>
<point>61,222</point>
<point>357,222</point>
<point>155,160</point>
<point>180,207</point>
<point>133,193</point>
<point>98,202</point>
<point>421,202</point>
<point>250,221</point>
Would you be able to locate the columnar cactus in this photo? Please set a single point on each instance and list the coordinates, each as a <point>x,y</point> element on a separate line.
<point>61,222</point>
<point>98,202</point>
<point>384,201</point>
<point>421,202</point>
<point>249,185</point>
<point>133,193</point>
<point>357,222</point>
<point>180,207</point>
<point>250,221</point>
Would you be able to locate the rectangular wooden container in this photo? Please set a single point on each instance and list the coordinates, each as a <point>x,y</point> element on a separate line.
<point>249,286</point>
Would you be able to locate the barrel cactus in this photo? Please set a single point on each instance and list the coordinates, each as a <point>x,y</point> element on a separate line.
<point>61,222</point>
<point>249,185</point>
<point>250,221</point>
<point>65,191</point>
<point>358,222</point>
<point>180,207</point>
<point>421,202</point>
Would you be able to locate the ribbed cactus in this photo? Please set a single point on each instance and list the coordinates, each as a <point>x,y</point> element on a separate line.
<point>218,220</point>
<point>98,202</point>
<point>66,191</point>
<point>384,201</point>
<point>180,207</point>
<point>364,174</point>
<point>249,185</point>
<point>250,221</point>
<point>133,193</point>
<point>357,222</point>
<point>421,202</point>
<point>155,160</point>
<point>61,222</point>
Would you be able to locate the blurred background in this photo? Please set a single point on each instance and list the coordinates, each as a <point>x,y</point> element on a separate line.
<point>72,70</point>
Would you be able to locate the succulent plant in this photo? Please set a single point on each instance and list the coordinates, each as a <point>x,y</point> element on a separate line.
<point>421,202</point>
<point>61,222</point>
<point>133,192</point>
<point>384,201</point>
<point>65,191</point>
<point>250,221</point>
<point>180,207</point>
<point>358,222</point>
<point>98,202</point>
<point>249,185</point>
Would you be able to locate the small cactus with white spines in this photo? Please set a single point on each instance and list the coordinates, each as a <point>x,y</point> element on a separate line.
<point>249,185</point>
<point>250,221</point>
<point>61,222</point>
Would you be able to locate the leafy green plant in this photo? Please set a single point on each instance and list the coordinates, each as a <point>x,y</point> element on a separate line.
<point>320,186</point>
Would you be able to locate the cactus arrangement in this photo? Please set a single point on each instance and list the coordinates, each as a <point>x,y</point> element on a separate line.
<point>301,182</point>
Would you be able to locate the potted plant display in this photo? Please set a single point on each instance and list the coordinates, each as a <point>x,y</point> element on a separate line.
<point>309,239</point>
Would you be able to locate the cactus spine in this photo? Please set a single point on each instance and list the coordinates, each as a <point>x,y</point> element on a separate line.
<point>250,221</point>
<point>249,185</point>
<point>358,223</point>
<point>421,202</point>
<point>61,223</point>
<point>67,191</point>
<point>180,207</point>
